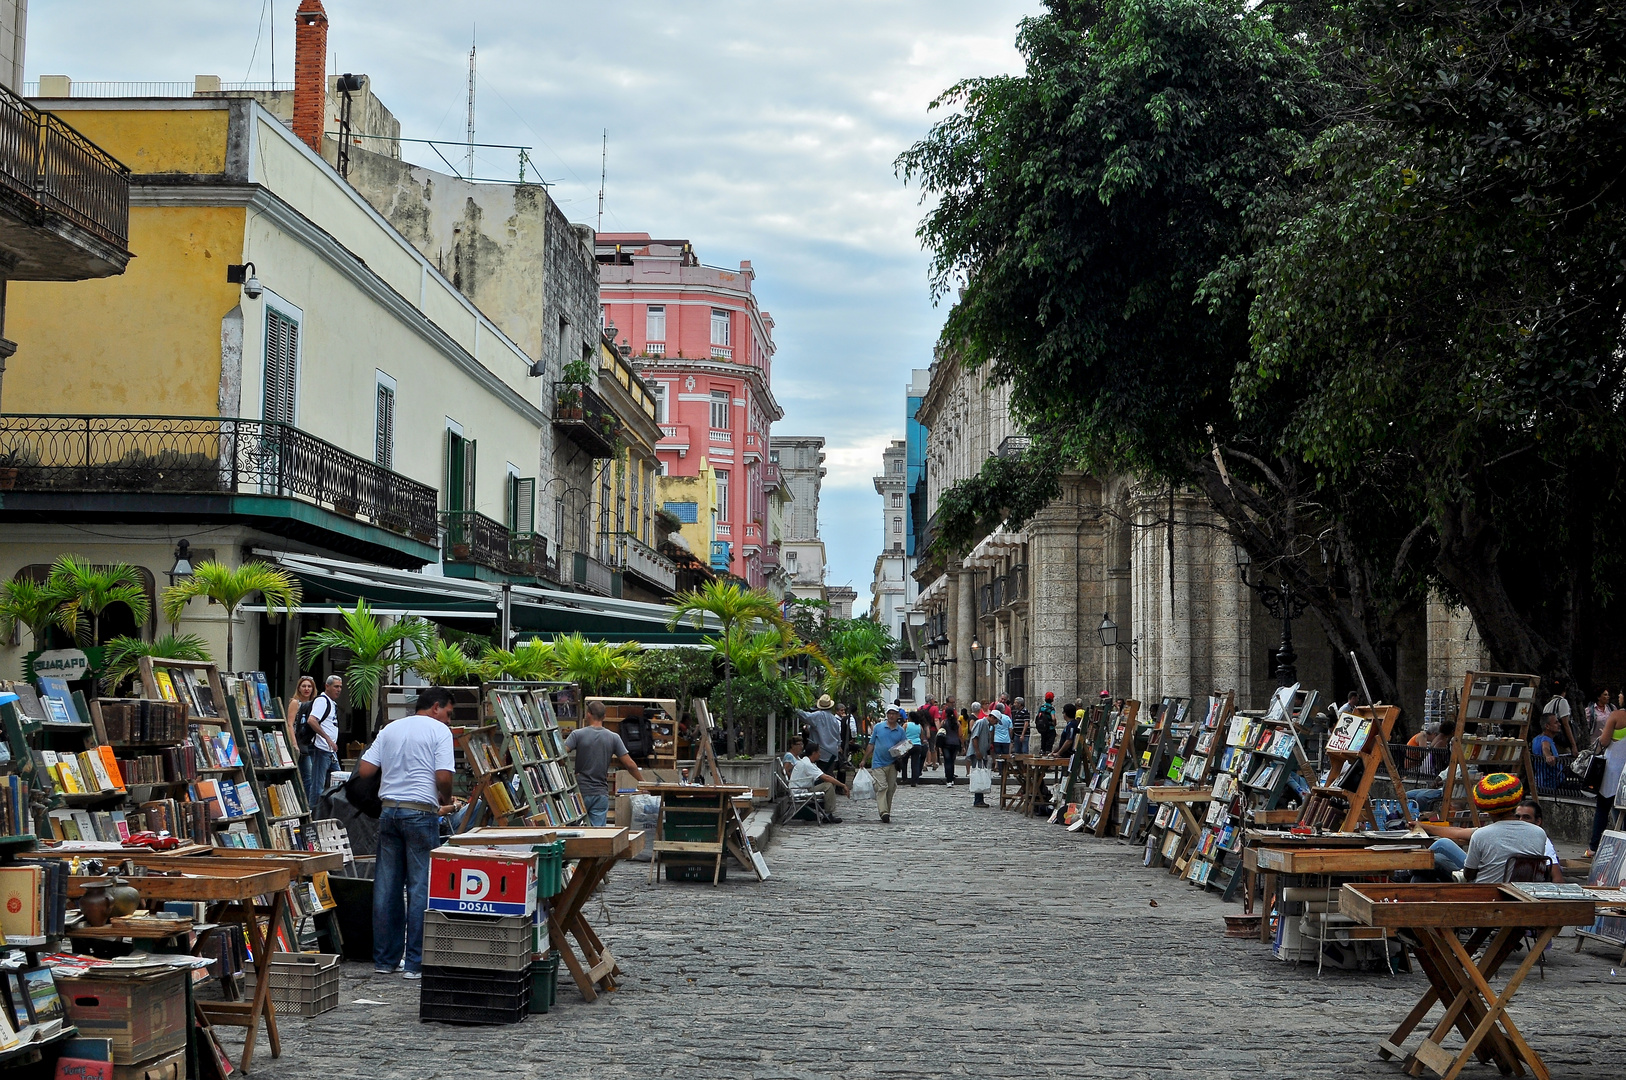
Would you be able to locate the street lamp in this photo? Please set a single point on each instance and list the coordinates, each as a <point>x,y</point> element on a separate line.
<point>1283,603</point>
<point>183,562</point>
<point>1108,631</point>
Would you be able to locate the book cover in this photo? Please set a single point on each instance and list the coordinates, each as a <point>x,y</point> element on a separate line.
<point>230,807</point>
<point>166,689</point>
<point>20,901</point>
<point>94,772</point>
<point>55,711</point>
<point>245,799</point>
<point>110,763</point>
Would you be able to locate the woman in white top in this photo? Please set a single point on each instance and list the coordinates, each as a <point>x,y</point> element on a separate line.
<point>1612,744</point>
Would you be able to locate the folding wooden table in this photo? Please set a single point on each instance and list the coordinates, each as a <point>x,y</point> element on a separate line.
<point>595,852</point>
<point>1030,771</point>
<point>226,889</point>
<point>1428,918</point>
<point>1183,798</point>
<point>694,821</point>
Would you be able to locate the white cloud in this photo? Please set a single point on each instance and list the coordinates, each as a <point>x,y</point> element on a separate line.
<point>759,131</point>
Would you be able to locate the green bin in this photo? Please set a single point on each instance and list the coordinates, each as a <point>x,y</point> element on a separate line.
<point>544,982</point>
<point>550,869</point>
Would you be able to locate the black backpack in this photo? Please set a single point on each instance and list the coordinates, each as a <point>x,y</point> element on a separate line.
<point>636,737</point>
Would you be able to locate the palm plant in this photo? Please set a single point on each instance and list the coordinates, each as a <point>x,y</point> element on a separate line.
<point>858,677</point>
<point>732,606</point>
<point>37,605</point>
<point>531,662</point>
<point>88,590</point>
<point>765,653</point>
<point>122,657</point>
<point>229,588</point>
<point>446,664</point>
<point>373,649</point>
<point>596,665</point>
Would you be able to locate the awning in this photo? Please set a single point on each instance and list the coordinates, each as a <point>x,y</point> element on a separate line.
<point>533,612</point>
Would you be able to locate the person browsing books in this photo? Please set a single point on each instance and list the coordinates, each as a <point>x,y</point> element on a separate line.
<point>413,756</point>
<point>319,749</point>
<point>808,775</point>
<point>595,748</point>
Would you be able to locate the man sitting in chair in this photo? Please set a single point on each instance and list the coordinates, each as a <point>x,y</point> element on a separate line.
<point>809,775</point>
<point>1491,846</point>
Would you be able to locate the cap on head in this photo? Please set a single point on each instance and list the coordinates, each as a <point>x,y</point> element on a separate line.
<point>1050,695</point>
<point>1498,792</point>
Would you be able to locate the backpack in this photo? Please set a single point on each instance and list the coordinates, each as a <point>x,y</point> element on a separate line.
<point>303,735</point>
<point>635,735</point>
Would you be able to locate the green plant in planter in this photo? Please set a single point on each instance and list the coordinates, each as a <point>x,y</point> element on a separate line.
<point>579,371</point>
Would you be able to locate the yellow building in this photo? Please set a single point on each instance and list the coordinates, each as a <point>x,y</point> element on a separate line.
<point>279,370</point>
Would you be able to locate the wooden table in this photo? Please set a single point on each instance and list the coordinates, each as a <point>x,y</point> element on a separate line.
<point>1030,771</point>
<point>1182,798</point>
<point>226,889</point>
<point>595,852</point>
<point>1427,918</point>
<point>700,808</point>
<point>1254,839</point>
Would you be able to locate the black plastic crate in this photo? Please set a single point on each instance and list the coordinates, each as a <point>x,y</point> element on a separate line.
<point>474,981</point>
<point>469,1014</point>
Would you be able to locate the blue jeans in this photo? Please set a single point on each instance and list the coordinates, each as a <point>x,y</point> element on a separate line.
<point>314,767</point>
<point>1448,855</point>
<point>401,885</point>
<point>598,809</point>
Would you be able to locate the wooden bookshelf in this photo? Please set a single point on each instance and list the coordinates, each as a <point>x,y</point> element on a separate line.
<point>1191,765</point>
<point>1493,724</point>
<point>1338,800</point>
<point>534,772</point>
<point>1162,740</point>
<point>1102,797</point>
<point>271,764</point>
<point>663,730</point>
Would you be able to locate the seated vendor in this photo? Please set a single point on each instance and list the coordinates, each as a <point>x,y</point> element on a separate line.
<point>1499,797</point>
<point>809,775</point>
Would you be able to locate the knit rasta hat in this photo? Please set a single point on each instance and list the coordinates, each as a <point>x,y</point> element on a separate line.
<point>1498,792</point>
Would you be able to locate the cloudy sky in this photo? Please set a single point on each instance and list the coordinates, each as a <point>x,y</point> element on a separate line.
<point>759,130</point>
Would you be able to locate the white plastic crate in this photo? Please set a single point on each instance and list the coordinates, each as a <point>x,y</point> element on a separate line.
<point>330,836</point>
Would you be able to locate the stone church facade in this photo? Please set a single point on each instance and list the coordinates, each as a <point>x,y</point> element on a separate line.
<point>1022,611</point>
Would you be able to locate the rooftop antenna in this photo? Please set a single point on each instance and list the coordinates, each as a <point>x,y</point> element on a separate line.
<point>273,44</point>
<point>468,161</point>
<point>603,171</point>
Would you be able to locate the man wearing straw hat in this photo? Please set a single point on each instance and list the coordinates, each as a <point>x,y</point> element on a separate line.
<point>826,729</point>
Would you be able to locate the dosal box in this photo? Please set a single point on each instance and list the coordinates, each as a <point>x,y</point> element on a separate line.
<point>482,881</point>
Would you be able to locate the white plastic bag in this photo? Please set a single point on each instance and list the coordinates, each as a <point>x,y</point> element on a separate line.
<point>863,789</point>
<point>982,780</point>
<point>646,816</point>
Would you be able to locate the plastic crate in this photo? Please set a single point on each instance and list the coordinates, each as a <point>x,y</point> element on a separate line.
<point>693,871</point>
<point>304,972</point>
<point>550,868</point>
<point>458,996</point>
<point>544,983</point>
<point>331,836</point>
<point>476,942</point>
<point>303,1006</point>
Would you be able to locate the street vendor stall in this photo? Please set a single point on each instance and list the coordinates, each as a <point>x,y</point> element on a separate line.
<point>1430,919</point>
<point>595,852</point>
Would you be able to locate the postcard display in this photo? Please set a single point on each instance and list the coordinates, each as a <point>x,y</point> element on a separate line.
<point>523,774</point>
<point>1100,799</point>
<point>1493,720</point>
<point>1608,872</point>
<point>1262,763</point>
<point>1356,747</point>
<point>1167,734</point>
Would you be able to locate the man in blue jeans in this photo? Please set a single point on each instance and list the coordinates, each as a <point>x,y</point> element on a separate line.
<point>414,754</point>
<point>595,747</point>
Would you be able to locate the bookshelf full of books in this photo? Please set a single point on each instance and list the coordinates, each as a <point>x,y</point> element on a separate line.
<point>271,762</point>
<point>1192,763</point>
<point>1357,747</point>
<point>1493,727</point>
<point>223,803</point>
<point>536,781</point>
<point>1106,781</point>
<point>1163,741</point>
<point>16,768</point>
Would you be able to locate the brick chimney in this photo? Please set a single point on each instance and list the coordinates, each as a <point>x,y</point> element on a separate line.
<point>310,72</point>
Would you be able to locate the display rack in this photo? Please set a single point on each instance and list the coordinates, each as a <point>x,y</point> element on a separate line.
<point>1493,723</point>
<point>663,725</point>
<point>523,774</point>
<point>1356,748</point>
<point>236,817</point>
<point>270,762</point>
<point>1102,797</point>
<point>1155,761</point>
<point>1170,833</point>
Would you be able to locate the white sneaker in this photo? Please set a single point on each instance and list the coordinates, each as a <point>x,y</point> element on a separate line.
<point>411,974</point>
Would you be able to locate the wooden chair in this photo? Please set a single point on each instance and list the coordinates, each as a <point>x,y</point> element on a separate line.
<point>1528,868</point>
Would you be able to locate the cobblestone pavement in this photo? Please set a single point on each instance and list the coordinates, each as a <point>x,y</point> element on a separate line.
<point>952,942</point>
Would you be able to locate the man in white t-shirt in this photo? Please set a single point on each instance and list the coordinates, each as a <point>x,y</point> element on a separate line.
<point>321,757</point>
<point>414,754</point>
<point>809,775</point>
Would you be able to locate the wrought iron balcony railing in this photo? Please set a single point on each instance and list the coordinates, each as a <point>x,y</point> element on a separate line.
<point>159,455</point>
<point>1014,446</point>
<point>585,418</point>
<point>631,554</point>
<point>471,537</point>
<point>46,162</point>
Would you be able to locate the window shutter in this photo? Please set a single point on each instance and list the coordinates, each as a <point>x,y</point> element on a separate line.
<point>384,452</point>
<point>522,505</point>
<point>281,367</point>
<point>469,474</point>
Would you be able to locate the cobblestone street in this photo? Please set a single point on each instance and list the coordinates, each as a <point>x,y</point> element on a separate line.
<point>953,942</point>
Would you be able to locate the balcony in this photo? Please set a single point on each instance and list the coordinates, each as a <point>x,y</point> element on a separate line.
<point>528,557</point>
<point>474,539</point>
<point>591,575</point>
<point>720,557</point>
<point>655,348</point>
<point>770,476</point>
<point>585,419</point>
<point>68,200</point>
<point>721,352</point>
<point>1013,446</point>
<point>186,456</point>
<point>770,558</point>
<point>720,435</point>
<point>633,556</point>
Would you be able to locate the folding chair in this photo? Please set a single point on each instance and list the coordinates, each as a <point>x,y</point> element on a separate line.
<point>793,805</point>
<point>1530,868</point>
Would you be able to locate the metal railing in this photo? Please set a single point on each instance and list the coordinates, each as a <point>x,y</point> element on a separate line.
<point>189,88</point>
<point>591,574</point>
<point>47,162</point>
<point>587,419</point>
<point>528,556</point>
<point>631,553</point>
<point>157,455</point>
<point>471,537</point>
<point>1013,446</point>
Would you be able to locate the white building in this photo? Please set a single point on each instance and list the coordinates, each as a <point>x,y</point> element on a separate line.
<point>894,591</point>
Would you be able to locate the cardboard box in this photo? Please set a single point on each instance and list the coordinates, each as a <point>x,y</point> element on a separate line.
<point>167,1067</point>
<point>145,1017</point>
<point>482,881</point>
<point>622,811</point>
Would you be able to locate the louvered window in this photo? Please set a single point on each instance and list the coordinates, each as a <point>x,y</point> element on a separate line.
<point>281,367</point>
<point>384,430</point>
<point>522,505</point>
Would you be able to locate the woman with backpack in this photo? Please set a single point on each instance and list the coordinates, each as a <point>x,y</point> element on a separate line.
<point>948,745</point>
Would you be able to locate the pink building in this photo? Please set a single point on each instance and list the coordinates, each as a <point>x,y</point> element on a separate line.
<point>706,349</point>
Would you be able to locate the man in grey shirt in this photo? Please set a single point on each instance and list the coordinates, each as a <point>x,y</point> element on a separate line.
<point>595,748</point>
<point>1497,797</point>
<point>826,732</point>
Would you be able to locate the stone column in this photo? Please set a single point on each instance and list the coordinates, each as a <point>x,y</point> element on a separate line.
<point>965,628</point>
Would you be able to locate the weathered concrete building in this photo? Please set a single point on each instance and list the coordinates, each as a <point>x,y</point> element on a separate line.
<point>800,459</point>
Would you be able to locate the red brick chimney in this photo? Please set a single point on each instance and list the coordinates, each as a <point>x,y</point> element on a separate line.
<point>310,72</point>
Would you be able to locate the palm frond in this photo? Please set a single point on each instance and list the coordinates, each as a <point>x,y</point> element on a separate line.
<point>122,655</point>
<point>370,645</point>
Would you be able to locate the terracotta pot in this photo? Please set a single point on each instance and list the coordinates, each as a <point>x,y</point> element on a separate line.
<point>96,905</point>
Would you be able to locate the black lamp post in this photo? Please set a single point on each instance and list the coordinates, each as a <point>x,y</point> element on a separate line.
<point>1282,603</point>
